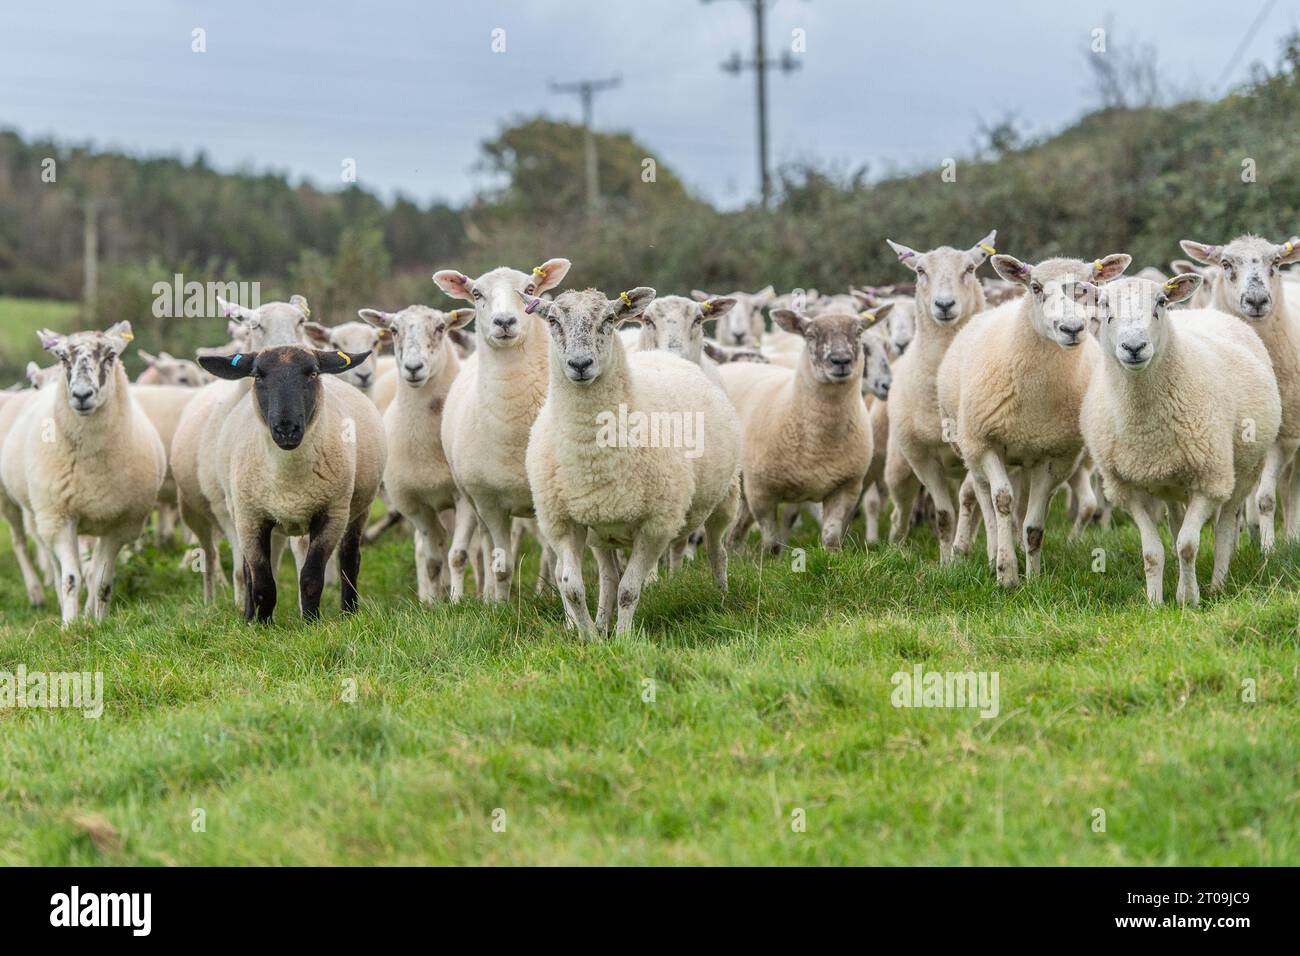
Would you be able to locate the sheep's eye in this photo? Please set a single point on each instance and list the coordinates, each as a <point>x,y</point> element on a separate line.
<point>478,296</point>
<point>529,289</point>
<point>920,271</point>
<point>970,270</point>
<point>1035,288</point>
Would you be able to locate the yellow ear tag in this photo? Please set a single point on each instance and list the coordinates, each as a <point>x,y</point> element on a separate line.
<point>1171,286</point>
<point>987,248</point>
<point>627,299</point>
<point>539,272</point>
<point>347,360</point>
<point>129,336</point>
<point>1096,267</point>
<point>1286,249</point>
<point>706,307</point>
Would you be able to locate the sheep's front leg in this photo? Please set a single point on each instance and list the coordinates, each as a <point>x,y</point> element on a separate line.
<point>967,503</point>
<point>984,495</point>
<point>1199,510</point>
<point>546,569</point>
<point>1225,540</point>
<point>902,495</point>
<point>645,553</point>
<point>1002,497</point>
<point>1266,496</point>
<point>570,544</point>
<point>837,512</point>
<point>497,545</point>
<point>1144,511</point>
<point>63,543</point>
<point>608,567</point>
<point>259,574</point>
<point>932,475</point>
<point>764,513</point>
<point>349,556</point>
<point>458,556</point>
<point>103,567</point>
<point>1042,482</point>
<point>1291,513</point>
<point>1085,500</point>
<point>871,513</point>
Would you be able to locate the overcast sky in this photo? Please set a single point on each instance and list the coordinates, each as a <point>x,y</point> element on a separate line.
<point>409,88</point>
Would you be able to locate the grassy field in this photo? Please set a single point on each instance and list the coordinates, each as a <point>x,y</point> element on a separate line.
<point>773,701</point>
<point>19,321</point>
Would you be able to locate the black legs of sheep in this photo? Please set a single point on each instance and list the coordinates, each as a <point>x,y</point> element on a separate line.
<point>259,572</point>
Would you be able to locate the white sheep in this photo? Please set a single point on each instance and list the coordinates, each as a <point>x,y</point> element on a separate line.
<point>1162,427</point>
<point>743,323</point>
<point>1010,386</point>
<point>675,324</point>
<point>1249,285</point>
<point>629,450</point>
<point>807,434</point>
<point>165,369</point>
<point>417,478</point>
<point>164,405</point>
<point>354,338</point>
<point>301,453</point>
<point>14,403</point>
<point>84,459</point>
<point>948,293</point>
<point>490,411</point>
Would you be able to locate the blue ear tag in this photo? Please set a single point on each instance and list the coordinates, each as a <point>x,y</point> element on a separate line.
<point>235,360</point>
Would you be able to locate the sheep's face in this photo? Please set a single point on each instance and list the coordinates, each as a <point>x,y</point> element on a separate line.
<point>419,336</point>
<point>173,371</point>
<point>946,286</point>
<point>1206,294</point>
<point>742,324</point>
<point>89,360</point>
<point>38,377</point>
<point>876,374</point>
<point>501,321</point>
<point>1054,312</point>
<point>902,326</point>
<point>286,384</point>
<point>676,324</point>
<point>833,344</point>
<point>1133,315</point>
<point>268,326</point>
<point>1250,277</point>
<point>354,337</point>
<point>584,326</point>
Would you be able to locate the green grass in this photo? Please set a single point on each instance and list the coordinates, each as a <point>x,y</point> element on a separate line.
<point>776,698</point>
<point>20,319</point>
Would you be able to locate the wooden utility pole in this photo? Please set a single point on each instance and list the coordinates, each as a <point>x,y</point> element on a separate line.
<point>760,64</point>
<point>90,248</point>
<point>587,90</point>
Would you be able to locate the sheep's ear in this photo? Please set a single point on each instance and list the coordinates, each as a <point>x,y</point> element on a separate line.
<point>720,305</point>
<point>299,302</point>
<point>1110,267</point>
<point>699,296</point>
<point>1182,287</point>
<point>317,332</point>
<point>984,248</point>
<point>463,340</point>
<point>1012,269</point>
<point>1180,266</point>
<point>790,321</point>
<point>455,284</point>
<point>1289,251</point>
<point>906,255</point>
<point>1209,255</point>
<point>165,356</point>
<point>713,351</point>
<point>229,367</point>
<point>630,304</point>
<point>149,360</point>
<point>53,342</point>
<point>120,336</point>
<point>233,310</point>
<point>331,363</point>
<point>459,318</point>
<point>532,303</point>
<point>550,274</point>
<point>33,372</point>
<point>380,320</point>
<point>764,295</point>
<point>869,318</point>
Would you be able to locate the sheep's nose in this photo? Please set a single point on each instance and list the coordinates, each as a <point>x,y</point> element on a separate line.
<point>1257,304</point>
<point>505,323</point>
<point>841,363</point>
<point>287,434</point>
<point>413,370</point>
<point>944,306</point>
<point>1133,350</point>
<point>82,395</point>
<point>580,366</point>
<point>739,337</point>
<point>1074,330</point>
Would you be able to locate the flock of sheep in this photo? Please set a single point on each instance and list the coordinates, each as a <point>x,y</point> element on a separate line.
<point>959,400</point>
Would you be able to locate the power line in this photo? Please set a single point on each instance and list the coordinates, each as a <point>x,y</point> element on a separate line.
<point>1250,35</point>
